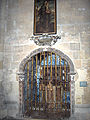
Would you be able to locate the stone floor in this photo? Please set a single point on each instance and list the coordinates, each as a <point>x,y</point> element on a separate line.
<point>80,114</point>
<point>77,116</point>
<point>84,116</point>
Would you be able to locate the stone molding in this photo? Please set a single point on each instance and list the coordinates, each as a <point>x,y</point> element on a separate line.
<point>58,52</point>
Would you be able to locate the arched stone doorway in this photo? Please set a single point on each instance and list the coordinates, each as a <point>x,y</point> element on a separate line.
<point>46,84</point>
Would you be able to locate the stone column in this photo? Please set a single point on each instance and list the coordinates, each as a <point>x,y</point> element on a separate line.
<point>21,100</point>
<point>72,92</point>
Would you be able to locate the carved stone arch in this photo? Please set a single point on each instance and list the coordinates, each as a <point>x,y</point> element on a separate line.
<point>58,52</point>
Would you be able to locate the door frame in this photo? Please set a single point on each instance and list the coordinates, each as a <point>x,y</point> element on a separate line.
<point>21,76</point>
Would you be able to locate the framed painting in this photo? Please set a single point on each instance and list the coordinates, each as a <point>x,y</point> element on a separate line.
<point>44,17</point>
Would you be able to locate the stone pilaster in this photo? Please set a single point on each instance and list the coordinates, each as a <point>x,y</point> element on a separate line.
<point>21,102</point>
<point>72,90</point>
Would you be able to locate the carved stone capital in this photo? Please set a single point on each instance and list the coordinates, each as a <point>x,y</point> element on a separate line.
<point>21,76</point>
<point>72,74</point>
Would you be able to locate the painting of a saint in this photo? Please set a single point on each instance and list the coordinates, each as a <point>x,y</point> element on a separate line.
<point>45,16</point>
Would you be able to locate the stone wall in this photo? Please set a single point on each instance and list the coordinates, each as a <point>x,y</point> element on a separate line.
<point>16,28</point>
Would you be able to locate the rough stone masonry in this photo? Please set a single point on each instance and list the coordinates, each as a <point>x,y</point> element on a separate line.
<point>16,28</point>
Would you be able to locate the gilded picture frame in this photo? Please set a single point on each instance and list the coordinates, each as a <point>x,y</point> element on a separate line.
<point>44,17</point>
